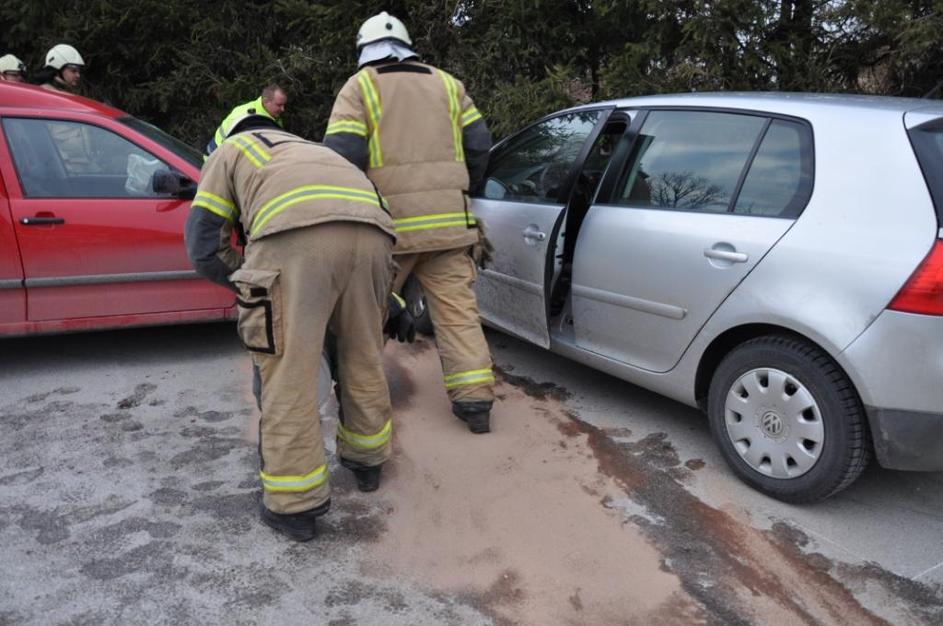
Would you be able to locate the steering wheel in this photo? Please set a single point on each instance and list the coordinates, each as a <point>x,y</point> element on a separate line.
<point>551,178</point>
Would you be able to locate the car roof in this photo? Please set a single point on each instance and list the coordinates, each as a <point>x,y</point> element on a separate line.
<point>22,95</point>
<point>798,104</point>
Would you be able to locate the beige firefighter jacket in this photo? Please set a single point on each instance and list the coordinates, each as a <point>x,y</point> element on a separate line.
<point>413,118</point>
<point>266,181</point>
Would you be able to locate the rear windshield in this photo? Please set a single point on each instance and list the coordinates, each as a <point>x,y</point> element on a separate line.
<point>184,151</point>
<point>927,140</point>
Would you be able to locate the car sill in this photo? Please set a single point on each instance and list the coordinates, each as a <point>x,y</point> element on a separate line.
<point>15,283</point>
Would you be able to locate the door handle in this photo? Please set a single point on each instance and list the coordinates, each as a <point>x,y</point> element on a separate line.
<point>41,220</point>
<point>532,233</point>
<point>731,256</point>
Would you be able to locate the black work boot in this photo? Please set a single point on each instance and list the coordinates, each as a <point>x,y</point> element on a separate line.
<point>368,478</point>
<point>297,526</point>
<point>475,413</point>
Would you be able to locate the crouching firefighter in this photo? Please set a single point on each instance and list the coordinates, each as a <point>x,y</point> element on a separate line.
<point>419,137</point>
<point>318,254</point>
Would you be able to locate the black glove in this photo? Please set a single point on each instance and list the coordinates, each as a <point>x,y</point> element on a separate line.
<point>399,323</point>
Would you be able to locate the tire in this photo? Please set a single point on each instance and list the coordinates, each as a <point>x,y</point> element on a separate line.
<point>416,304</point>
<point>803,444</point>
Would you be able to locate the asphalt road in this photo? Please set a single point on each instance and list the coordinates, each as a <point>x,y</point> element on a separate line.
<point>128,494</point>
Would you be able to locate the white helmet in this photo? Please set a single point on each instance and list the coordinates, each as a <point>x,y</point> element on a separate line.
<point>9,63</point>
<point>382,26</point>
<point>63,54</point>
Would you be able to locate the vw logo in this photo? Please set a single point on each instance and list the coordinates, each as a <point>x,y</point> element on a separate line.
<point>772,424</point>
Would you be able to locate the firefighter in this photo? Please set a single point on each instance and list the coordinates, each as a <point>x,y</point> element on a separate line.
<point>270,104</point>
<point>63,69</point>
<point>421,140</point>
<point>12,69</point>
<point>318,255</point>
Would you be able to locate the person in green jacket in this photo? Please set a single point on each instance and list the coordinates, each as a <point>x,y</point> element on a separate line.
<point>270,104</point>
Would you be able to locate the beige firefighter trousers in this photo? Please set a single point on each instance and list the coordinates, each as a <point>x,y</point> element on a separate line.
<point>292,286</point>
<point>447,278</point>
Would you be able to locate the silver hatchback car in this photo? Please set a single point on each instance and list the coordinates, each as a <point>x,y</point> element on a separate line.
<point>775,259</point>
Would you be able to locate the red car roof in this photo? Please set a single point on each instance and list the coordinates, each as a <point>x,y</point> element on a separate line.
<point>35,97</point>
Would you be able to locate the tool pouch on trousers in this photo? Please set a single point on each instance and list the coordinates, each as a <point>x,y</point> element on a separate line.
<point>260,311</point>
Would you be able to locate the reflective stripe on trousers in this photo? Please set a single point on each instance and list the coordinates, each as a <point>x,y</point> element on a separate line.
<point>366,442</point>
<point>295,484</point>
<point>471,377</point>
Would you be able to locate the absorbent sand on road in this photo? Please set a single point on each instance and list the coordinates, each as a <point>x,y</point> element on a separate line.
<point>513,518</point>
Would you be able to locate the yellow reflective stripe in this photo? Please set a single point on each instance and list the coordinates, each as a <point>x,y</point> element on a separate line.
<point>310,192</point>
<point>307,482</point>
<point>451,89</point>
<point>407,229</point>
<point>422,218</point>
<point>255,154</point>
<point>214,204</point>
<point>399,299</point>
<point>347,126</point>
<point>366,442</point>
<point>374,111</point>
<point>440,220</point>
<point>471,114</point>
<point>471,377</point>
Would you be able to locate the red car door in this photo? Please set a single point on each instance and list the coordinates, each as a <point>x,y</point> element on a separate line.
<point>12,293</point>
<point>95,239</point>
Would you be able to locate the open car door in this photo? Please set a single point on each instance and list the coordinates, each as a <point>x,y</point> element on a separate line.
<point>529,178</point>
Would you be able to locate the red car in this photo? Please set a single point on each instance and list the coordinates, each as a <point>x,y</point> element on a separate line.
<point>85,242</point>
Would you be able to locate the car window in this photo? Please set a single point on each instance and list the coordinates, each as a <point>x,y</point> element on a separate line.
<point>779,182</point>
<point>184,151</point>
<point>927,141</point>
<point>689,160</point>
<point>62,158</point>
<point>600,154</point>
<point>533,166</point>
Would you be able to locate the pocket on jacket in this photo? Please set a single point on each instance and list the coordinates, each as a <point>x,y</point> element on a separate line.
<point>260,310</point>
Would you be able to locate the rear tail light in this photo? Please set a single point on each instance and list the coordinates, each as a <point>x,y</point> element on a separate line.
<point>923,293</point>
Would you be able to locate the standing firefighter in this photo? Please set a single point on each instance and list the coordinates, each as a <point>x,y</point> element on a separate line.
<point>63,69</point>
<point>421,140</point>
<point>318,254</point>
<point>270,104</point>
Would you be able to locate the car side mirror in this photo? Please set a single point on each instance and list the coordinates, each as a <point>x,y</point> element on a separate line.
<point>173,184</point>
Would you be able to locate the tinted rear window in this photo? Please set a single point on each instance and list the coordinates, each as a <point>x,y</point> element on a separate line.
<point>928,144</point>
<point>779,182</point>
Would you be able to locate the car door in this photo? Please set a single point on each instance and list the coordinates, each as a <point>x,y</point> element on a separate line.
<point>12,292</point>
<point>523,197</point>
<point>95,240</point>
<point>702,197</point>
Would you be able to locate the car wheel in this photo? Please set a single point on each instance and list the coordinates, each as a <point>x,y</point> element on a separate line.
<point>416,304</point>
<point>787,419</point>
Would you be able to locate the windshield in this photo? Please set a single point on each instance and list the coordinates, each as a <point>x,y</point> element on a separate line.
<point>188,153</point>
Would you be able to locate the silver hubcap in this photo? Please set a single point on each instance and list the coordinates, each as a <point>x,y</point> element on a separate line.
<point>774,423</point>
